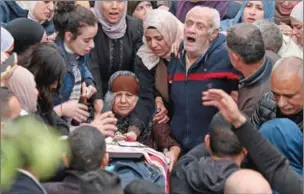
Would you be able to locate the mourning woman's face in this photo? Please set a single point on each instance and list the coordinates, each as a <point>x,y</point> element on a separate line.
<point>113,10</point>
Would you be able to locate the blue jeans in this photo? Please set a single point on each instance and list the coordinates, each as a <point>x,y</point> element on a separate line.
<point>129,170</point>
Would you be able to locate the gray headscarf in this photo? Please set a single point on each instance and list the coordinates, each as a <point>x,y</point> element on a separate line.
<point>113,31</point>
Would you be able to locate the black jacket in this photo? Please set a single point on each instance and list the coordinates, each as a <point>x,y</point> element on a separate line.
<point>267,109</point>
<point>197,173</point>
<point>271,163</point>
<point>109,56</point>
<point>25,183</point>
<point>70,184</point>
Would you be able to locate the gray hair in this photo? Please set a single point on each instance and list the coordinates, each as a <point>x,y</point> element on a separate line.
<point>272,35</point>
<point>246,40</point>
<point>216,19</point>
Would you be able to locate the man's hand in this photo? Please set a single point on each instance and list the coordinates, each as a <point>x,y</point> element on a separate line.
<point>98,105</point>
<point>285,29</point>
<point>73,109</point>
<point>88,92</point>
<point>161,116</point>
<point>226,105</point>
<point>106,123</point>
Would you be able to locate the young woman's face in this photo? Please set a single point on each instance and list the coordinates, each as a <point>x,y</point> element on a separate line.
<point>285,7</point>
<point>113,10</point>
<point>43,10</point>
<point>156,42</point>
<point>142,9</point>
<point>124,103</point>
<point>297,30</point>
<point>253,11</point>
<point>83,43</point>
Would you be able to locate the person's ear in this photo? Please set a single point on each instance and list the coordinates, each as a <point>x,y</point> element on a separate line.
<point>65,159</point>
<point>244,152</point>
<point>207,143</point>
<point>68,36</point>
<point>214,34</point>
<point>105,161</point>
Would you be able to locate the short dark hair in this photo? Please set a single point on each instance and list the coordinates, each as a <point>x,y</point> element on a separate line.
<point>100,181</point>
<point>143,187</point>
<point>70,17</point>
<point>88,148</point>
<point>223,142</point>
<point>246,40</point>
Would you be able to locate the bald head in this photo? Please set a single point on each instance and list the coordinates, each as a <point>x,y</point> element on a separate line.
<point>286,67</point>
<point>247,181</point>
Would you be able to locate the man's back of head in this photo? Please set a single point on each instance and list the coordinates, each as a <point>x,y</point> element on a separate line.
<point>247,181</point>
<point>271,33</point>
<point>246,41</point>
<point>143,187</point>
<point>222,142</point>
<point>88,149</point>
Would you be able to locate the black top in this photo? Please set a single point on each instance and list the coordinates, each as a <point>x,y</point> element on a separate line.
<point>271,163</point>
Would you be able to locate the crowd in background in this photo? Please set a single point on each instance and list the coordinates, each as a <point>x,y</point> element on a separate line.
<point>215,87</point>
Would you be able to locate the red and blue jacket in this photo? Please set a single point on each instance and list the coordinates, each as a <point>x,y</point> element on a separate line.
<point>190,119</point>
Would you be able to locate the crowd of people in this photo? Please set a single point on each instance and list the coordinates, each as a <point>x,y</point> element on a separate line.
<point>215,87</point>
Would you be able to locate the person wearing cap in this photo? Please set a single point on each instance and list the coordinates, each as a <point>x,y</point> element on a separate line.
<point>125,86</point>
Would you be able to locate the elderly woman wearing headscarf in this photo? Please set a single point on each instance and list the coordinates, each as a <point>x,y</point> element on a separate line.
<point>125,86</point>
<point>287,137</point>
<point>26,33</point>
<point>38,11</point>
<point>118,38</point>
<point>161,31</point>
<point>22,84</point>
<point>296,18</point>
<point>250,12</point>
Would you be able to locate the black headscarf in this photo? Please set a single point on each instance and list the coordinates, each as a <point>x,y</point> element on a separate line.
<point>26,33</point>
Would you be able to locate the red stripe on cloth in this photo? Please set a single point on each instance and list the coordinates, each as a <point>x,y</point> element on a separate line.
<point>203,76</point>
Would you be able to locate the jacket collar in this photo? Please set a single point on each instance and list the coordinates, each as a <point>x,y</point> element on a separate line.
<point>259,76</point>
<point>30,176</point>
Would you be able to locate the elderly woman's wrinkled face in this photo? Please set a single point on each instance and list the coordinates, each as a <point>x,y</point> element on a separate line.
<point>156,42</point>
<point>43,10</point>
<point>297,30</point>
<point>124,103</point>
<point>142,9</point>
<point>285,7</point>
<point>253,11</point>
<point>113,10</point>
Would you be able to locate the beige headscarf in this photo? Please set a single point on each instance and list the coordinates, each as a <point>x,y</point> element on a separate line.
<point>172,30</point>
<point>30,6</point>
<point>297,12</point>
<point>168,25</point>
<point>22,84</point>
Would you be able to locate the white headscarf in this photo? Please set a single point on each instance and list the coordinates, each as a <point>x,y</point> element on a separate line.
<point>113,31</point>
<point>297,12</point>
<point>7,40</point>
<point>169,27</point>
<point>30,6</point>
